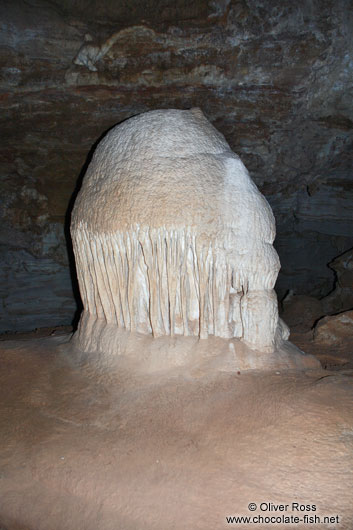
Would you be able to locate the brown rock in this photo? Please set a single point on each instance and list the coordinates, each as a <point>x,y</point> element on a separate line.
<point>335,329</point>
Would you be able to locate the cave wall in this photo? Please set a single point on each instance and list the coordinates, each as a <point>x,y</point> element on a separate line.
<point>275,77</point>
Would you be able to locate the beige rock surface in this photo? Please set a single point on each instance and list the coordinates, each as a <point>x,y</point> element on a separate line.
<point>180,449</point>
<point>335,329</point>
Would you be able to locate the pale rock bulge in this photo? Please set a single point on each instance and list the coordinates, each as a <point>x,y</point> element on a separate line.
<point>172,237</point>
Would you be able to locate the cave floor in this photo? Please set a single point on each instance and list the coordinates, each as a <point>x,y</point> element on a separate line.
<point>183,449</point>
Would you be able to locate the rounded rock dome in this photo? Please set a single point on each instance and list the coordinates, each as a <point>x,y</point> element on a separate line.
<point>171,236</point>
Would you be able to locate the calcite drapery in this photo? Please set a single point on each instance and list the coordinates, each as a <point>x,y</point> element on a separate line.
<point>171,236</point>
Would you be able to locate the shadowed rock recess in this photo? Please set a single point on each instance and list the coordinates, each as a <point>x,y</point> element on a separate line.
<point>274,77</point>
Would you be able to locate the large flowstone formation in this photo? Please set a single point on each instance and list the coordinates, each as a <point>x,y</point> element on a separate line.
<point>172,237</point>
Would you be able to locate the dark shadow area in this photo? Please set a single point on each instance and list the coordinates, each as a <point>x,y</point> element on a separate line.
<point>330,266</point>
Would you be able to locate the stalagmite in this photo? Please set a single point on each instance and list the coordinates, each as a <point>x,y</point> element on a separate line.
<point>172,237</point>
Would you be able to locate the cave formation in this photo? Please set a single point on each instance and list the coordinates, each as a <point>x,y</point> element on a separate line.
<point>171,237</point>
<point>170,414</point>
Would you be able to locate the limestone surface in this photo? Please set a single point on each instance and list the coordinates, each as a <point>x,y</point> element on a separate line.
<point>127,450</point>
<point>172,237</point>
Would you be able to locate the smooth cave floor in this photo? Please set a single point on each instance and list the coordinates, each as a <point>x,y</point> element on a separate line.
<point>184,449</point>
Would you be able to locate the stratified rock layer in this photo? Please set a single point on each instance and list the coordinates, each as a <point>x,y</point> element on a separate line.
<point>273,77</point>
